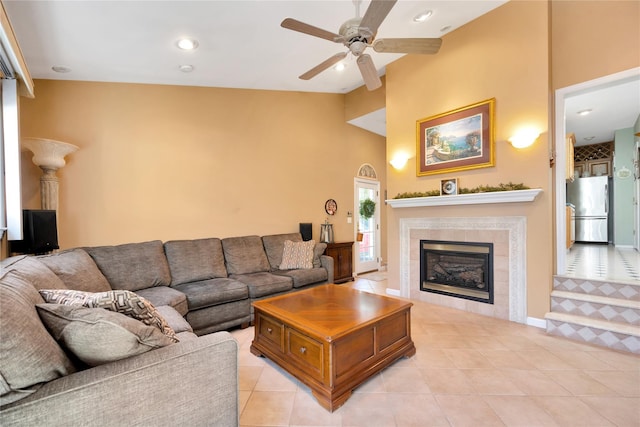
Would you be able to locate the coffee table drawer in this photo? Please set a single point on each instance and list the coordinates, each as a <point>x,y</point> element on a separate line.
<point>307,351</point>
<point>271,330</point>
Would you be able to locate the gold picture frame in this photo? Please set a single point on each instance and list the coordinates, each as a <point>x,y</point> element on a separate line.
<point>457,140</point>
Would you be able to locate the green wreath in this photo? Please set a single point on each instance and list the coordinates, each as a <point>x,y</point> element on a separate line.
<point>367,208</point>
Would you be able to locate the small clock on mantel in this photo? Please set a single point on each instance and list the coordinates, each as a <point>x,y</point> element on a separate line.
<point>330,207</point>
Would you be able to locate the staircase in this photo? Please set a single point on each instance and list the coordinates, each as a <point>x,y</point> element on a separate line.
<point>603,313</point>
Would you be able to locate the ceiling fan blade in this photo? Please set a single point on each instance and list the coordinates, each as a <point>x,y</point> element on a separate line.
<point>301,27</point>
<point>421,46</point>
<point>375,14</point>
<point>369,72</point>
<point>323,66</point>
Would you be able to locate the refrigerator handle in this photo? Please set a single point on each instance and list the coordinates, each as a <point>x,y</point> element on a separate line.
<point>606,198</point>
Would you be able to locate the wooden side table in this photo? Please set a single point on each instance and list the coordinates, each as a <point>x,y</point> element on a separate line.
<point>342,254</point>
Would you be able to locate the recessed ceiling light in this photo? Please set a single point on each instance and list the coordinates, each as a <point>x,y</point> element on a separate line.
<point>61,69</point>
<point>445,28</point>
<point>187,44</point>
<point>588,138</point>
<point>186,68</point>
<point>584,112</point>
<point>339,66</point>
<point>423,16</point>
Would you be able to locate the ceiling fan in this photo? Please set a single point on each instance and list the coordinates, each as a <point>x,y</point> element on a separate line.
<point>357,34</point>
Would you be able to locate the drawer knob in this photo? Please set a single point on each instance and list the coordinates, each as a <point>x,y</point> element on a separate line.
<point>269,330</point>
<point>303,350</point>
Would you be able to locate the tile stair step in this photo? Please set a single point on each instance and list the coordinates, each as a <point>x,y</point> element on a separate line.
<point>596,307</point>
<point>616,327</point>
<point>597,299</point>
<point>606,288</point>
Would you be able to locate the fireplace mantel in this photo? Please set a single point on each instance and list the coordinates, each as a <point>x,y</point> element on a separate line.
<point>468,199</point>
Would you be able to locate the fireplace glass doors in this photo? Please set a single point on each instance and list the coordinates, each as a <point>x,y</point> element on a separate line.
<point>458,269</point>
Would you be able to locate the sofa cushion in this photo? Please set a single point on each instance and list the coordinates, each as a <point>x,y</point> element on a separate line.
<point>193,260</point>
<point>297,255</point>
<point>213,292</point>
<point>174,319</point>
<point>304,277</point>
<point>164,295</point>
<point>220,317</point>
<point>263,284</point>
<point>28,354</point>
<point>133,266</point>
<point>77,270</point>
<point>318,250</point>
<point>120,301</point>
<point>274,247</point>
<point>34,271</point>
<point>244,255</point>
<point>96,336</point>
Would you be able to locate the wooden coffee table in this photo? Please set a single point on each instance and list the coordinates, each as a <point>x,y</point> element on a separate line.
<point>332,338</point>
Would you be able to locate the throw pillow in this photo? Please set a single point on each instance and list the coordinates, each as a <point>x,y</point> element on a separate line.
<point>98,336</point>
<point>120,301</point>
<point>297,255</point>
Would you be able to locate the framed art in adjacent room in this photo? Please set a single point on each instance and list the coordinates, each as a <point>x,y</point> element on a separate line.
<point>457,140</point>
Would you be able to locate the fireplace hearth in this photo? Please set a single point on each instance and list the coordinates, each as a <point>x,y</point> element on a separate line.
<point>457,269</point>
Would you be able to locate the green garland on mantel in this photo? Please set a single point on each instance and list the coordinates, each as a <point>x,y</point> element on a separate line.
<point>479,189</point>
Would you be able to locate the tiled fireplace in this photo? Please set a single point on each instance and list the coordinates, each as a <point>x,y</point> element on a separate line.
<point>507,235</point>
<point>460,269</point>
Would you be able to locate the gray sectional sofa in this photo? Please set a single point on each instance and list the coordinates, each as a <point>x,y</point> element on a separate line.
<point>201,288</point>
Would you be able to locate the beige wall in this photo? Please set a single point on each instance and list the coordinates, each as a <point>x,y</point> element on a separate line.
<point>174,162</point>
<point>361,101</point>
<point>593,39</point>
<point>501,55</point>
<point>515,54</point>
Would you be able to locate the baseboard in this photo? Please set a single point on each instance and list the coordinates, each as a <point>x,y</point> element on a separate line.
<point>624,246</point>
<point>394,292</point>
<point>538,323</point>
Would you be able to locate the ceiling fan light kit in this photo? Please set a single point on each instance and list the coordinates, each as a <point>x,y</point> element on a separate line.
<point>357,34</point>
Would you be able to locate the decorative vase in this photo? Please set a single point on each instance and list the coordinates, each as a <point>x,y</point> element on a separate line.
<point>326,233</point>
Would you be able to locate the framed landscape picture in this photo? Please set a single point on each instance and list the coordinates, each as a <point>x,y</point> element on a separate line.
<point>457,140</point>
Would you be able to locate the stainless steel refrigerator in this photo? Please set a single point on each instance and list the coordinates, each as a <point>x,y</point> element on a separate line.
<point>590,196</point>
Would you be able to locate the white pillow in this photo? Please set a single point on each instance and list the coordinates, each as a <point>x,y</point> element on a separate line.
<point>297,255</point>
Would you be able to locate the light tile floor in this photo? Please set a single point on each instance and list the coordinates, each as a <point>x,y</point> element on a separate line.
<point>603,262</point>
<point>468,370</point>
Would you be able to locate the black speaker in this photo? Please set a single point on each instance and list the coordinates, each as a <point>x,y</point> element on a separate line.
<point>39,232</point>
<point>306,231</point>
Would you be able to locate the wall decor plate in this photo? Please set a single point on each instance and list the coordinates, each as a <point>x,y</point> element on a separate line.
<point>449,187</point>
<point>330,207</point>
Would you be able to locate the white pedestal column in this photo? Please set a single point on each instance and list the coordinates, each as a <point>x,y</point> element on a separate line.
<point>48,155</point>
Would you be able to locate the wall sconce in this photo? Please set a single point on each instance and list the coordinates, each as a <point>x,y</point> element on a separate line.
<point>399,161</point>
<point>524,137</point>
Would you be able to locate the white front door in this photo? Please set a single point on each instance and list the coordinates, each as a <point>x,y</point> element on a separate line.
<point>367,252</point>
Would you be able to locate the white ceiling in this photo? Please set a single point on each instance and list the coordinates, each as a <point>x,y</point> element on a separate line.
<point>241,45</point>
<point>241,42</point>
<point>613,106</point>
